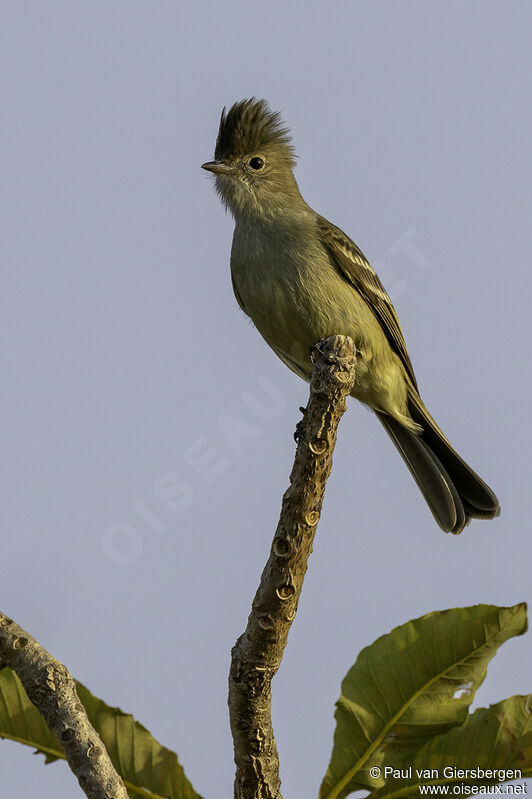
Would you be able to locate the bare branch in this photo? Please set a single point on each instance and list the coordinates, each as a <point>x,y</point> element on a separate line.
<point>53,692</point>
<point>257,654</point>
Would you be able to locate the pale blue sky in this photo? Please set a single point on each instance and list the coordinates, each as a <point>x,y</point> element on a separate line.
<point>124,352</point>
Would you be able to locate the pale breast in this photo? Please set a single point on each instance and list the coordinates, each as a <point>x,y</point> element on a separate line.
<point>295,296</point>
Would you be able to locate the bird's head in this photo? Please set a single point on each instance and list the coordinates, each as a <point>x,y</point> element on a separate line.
<point>253,162</point>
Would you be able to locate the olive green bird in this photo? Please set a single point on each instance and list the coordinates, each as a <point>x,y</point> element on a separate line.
<point>300,279</point>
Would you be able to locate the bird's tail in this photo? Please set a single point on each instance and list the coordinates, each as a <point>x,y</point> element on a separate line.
<point>453,491</point>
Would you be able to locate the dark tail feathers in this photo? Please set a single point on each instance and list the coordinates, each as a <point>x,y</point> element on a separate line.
<point>453,491</point>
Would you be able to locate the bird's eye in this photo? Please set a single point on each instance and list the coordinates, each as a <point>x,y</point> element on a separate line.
<point>256,162</point>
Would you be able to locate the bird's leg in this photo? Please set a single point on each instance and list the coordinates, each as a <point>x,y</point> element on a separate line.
<point>315,351</point>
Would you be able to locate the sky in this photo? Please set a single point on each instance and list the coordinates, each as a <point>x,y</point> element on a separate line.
<point>135,525</point>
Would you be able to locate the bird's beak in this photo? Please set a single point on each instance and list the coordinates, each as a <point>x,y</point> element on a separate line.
<point>218,167</point>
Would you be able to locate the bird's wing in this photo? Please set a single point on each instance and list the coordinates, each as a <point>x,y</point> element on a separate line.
<point>354,266</point>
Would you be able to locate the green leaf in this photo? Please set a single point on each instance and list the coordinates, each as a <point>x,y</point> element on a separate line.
<point>21,721</point>
<point>147,768</point>
<point>410,685</point>
<point>495,739</point>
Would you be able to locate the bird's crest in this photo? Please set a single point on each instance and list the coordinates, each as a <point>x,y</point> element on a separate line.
<point>251,127</point>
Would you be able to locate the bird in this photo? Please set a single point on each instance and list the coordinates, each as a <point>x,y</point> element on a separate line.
<point>301,279</point>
